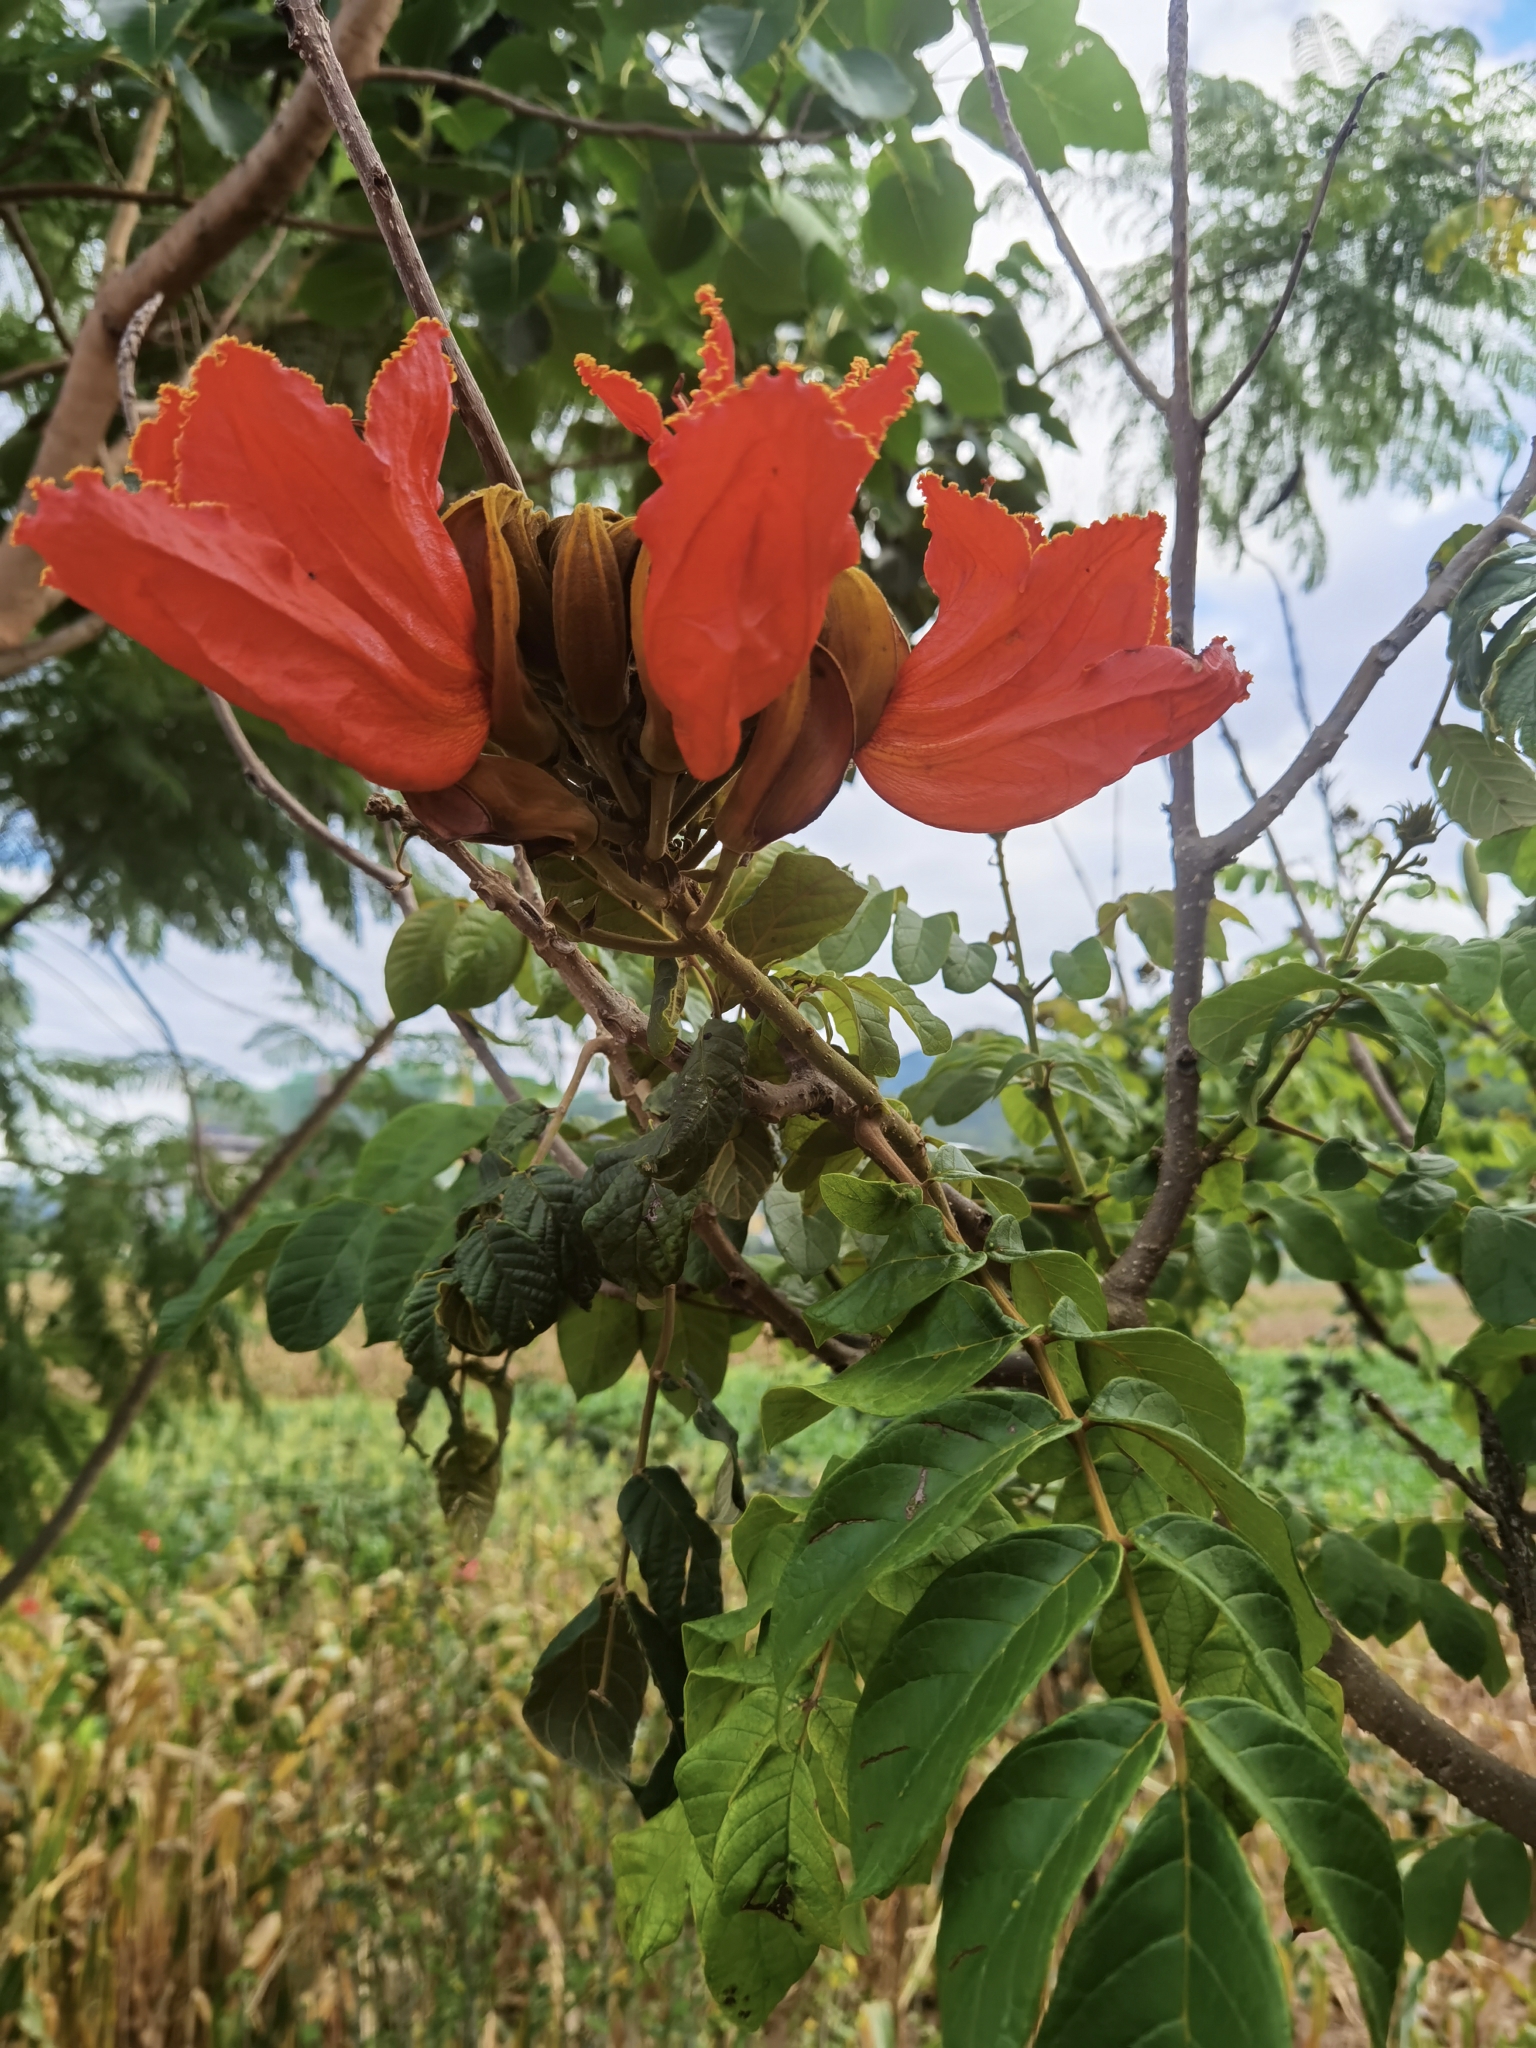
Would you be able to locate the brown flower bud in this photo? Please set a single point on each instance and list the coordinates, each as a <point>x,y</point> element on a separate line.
<point>796,761</point>
<point>591,627</point>
<point>869,645</point>
<point>506,802</point>
<point>658,747</point>
<point>525,528</point>
<point>475,525</point>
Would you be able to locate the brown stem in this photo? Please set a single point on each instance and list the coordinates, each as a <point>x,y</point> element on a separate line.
<point>310,35</point>
<point>25,373</point>
<point>1506,1504</point>
<point>295,223</point>
<point>562,1108</point>
<point>507,1088</point>
<point>1364,1062</point>
<point>244,200</point>
<point>750,1291</point>
<point>1015,147</point>
<point>16,661</point>
<point>1443,1468</point>
<point>14,919</point>
<point>16,228</point>
<point>642,1452</point>
<point>1492,1789</point>
<point>1371,1324</point>
<point>574,124</point>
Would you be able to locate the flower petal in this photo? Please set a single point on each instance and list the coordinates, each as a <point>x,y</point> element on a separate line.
<point>626,398</point>
<point>749,527</point>
<point>872,401</point>
<point>230,606</point>
<point>152,456</point>
<point>259,437</point>
<point>717,351</point>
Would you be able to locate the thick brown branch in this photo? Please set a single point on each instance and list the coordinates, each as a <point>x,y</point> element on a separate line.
<point>1282,304</point>
<point>752,1293</point>
<point>245,199</point>
<point>577,124</point>
<point>1491,1788</point>
<point>310,35</point>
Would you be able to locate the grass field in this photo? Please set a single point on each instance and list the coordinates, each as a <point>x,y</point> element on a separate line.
<point>265,1778</point>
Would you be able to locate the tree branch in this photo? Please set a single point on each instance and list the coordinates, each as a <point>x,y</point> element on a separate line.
<point>1326,739</point>
<point>15,661</point>
<point>17,229</point>
<point>1427,1455</point>
<point>266,784</point>
<point>1365,1064</point>
<point>255,1192</point>
<point>243,200</point>
<point>309,34</point>
<point>24,373</point>
<point>751,1292</point>
<point>146,148</point>
<point>1282,305</point>
<point>1016,149</point>
<point>576,124</point>
<point>342,230</point>
<point>1491,1788</point>
<point>1371,1323</point>
<point>17,917</point>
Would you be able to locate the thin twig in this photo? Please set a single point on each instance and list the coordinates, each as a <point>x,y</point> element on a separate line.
<point>562,1108</point>
<point>578,124</point>
<point>301,223</point>
<point>1326,739</point>
<point>309,34</point>
<point>114,250</point>
<point>1427,1455</point>
<point>52,313</point>
<point>15,661</point>
<point>18,917</point>
<point>1017,150</point>
<point>1365,1064</point>
<point>1282,305</point>
<point>255,1192</point>
<point>24,373</point>
<point>1307,935</point>
<point>749,1290</point>
<point>261,779</point>
<point>508,1089</point>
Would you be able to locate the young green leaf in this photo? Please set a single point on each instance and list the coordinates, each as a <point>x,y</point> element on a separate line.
<point>945,1345</point>
<point>415,1147</point>
<point>651,1867</point>
<point>969,965</point>
<point>1175,1947</point>
<point>893,1502</point>
<point>316,1280</point>
<point>801,902</point>
<point>1023,1848</point>
<point>861,938</point>
<point>1195,1377</point>
<point>1041,1279</point>
<point>920,945</point>
<point>1337,1846</point>
<point>975,1644</point>
<point>416,965</point>
<point>482,958</point>
<point>1083,974</point>
<point>916,1260</point>
<point>707,1777</point>
<point>1337,1165</point>
<point>872,1207</point>
<point>1221,1025</point>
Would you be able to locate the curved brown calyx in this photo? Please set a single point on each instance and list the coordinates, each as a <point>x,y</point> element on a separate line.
<point>525,529</point>
<point>506,802</point>
<point>477,527</point>
<point>869,645</point>
<point>796,761</point>
<point>590,618</point>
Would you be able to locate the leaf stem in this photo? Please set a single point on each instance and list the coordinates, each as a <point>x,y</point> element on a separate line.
<point>562,1108</point>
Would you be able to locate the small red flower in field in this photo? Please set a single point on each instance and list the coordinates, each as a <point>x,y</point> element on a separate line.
<point>29,1608</point>
<point>299,571</point>
<point>750,525</point>
<point>1047,674</point>
<point>469,1570</point>
<point>150,1540</point>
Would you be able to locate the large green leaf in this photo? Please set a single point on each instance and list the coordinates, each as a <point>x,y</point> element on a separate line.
<point>1175,1949</point>
<point>416,965</point>
<point>920,945</point>
<point>597,1344</point>
<point>1501,1880</point>
<point>975,1644</point>
<point>718,1761</point>
<point>915,1261</point>
<point>1224,1255</point>
<point>407,1242</point>
<point>1518,979</point>
<point>1482,783</point>
<point>1131,1407</point>
<point>678,1553</point>
<point>1195,1377</point>
<point>317,1279</point>
<point>867,82</point>
<point>482,958</point>
<point>415,1146</point>
<point>1433,1895</point>
<point>1244,1592</point>
<point>564,1709</point>
<point>945,1345</point>
<point>750,1959</point>
<point>651,1868</point>
<point>1221,1025</point>
<point>1337,1846</point>
<point>249,1252</point>
<point>772,1854</point>
<point>802,900</point>
<point>893,1502</point>
<point>1024,1847</point>
<point>1498,1266</point>
<point>806,1244</point>
<point>860,939</point>
<point>919,219</point>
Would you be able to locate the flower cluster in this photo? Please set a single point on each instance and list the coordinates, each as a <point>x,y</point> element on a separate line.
<point>701,674</point>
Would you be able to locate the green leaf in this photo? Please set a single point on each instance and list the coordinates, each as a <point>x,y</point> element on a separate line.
<point>564,1710</point>
<point>415,1147</point>
<point>803,899</point>
<point>1130,1406</point>
<point>861,938</point>
<point>1175,1946</point>
<point>705,1108</point>
<point>1433,1892</point>
<point>1084,973</point>
<point>1090,96</point>
<point>317,1279</point>
<point>1224,1255</point>
<point>933,1035</point>
<point>1244,1592</point>
<point>1359,1214</point>
<point>920,945</point>
<point>1414,1032</point>
<point>968,377</point>
<point>1307,1231</point>
<point>651,1867</point>
<point>482,958</point>
<point>1042,1279</point>
<point>678,1553</point>
<point>598,1344</point>
<point>1501,1880</point>
<point>975,1644</point>
<point>1482,783</point>
<point>872,1207</point>
<point>741,1171</point>
<point>416,965</point>
<point>230,123</point>
<point>1021,1853</point>
<point>916,1260</point>
<point>1475,966</point>
<point>945,1345</point>
<point>1201,1385</point>
<point>143,30</point>
<point>969,966</point>
<point>1221,1025</point>
<point>772,1855</point>
<point>640,1231</point>
<point>784,1411</point>
<point>1336,1845</point>
<point>1512,854</point>
<point>1498,1266</point>
<point>718,1761</point>
<point>750,1959</point>
<point>918,222</point>
<point>867,82</point>
<point>1518,979</point>
<point>249,1252</point>
<point>807,1244</point>
<point>408,1242</point>
<point>893,1502</point>
<point>1412,1204</point>
<point>1337,1165</point>
<point>737,38</point>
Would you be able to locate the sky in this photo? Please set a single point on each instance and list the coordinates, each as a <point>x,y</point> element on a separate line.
<point>1116,841</point>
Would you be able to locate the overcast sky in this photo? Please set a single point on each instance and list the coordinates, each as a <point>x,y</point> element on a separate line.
<point>1377,548</point>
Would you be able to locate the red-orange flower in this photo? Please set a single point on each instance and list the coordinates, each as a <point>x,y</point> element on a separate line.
<point>297,570</point>
<point>1047,674</point>
<point>750,525</point>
